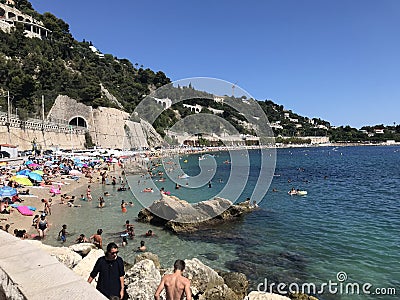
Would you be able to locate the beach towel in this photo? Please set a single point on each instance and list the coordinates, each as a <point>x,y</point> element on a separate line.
<point>24,210</point>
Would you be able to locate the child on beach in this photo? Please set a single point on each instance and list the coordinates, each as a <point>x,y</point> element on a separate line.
<point>124,241</point>
<point>35,220</point>
<point>88,194</point>
<point>81,239</point>
<point>63,233</point>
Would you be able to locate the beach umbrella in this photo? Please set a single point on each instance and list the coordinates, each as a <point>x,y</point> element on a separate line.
<point>40,172</point>
<point>29,162</point>
<point>35,176</point>
<point>34,166</point>
<point>24,172</point>
<point>21,180</point>
<point>7,191</point>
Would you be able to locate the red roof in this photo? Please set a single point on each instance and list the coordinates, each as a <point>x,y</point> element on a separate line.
<point>8,146</point>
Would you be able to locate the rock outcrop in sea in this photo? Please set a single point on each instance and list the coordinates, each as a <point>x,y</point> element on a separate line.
<point>180,216</point>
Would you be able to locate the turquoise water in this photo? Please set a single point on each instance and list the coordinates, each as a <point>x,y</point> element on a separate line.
<point>348,222</point>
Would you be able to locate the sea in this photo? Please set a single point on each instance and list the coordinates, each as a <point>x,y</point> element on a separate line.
<point>340,241</point>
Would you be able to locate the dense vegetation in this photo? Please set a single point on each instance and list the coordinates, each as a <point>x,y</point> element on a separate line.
<point>32,67</point>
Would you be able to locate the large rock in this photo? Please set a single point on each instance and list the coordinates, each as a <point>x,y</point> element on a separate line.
<point>148,255</point>
<point>85,266</point>
<point>63,254</point>
<point>221,292</point>
<point>201,276</point>
<point>265,296</point>
<point>237,282</point>
<point>180,216</point>
<point>82,248</point>
<point>142,280</point>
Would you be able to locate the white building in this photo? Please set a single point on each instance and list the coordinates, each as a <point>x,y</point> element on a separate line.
<point>194,108</point>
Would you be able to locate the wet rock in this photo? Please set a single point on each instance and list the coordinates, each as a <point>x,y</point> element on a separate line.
<point>221,292</point>
<point>237,282</point>
<point>301,296</point>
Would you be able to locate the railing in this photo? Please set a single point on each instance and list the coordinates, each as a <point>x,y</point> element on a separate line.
<point>36,124</point>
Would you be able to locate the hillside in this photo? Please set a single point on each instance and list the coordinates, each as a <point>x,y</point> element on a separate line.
<point>57,64</point>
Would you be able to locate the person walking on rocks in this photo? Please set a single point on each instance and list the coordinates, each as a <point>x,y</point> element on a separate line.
<point>111,273</point>
<point>175,284</point>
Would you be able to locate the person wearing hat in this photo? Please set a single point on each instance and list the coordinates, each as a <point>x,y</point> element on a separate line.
<point>42,225</point>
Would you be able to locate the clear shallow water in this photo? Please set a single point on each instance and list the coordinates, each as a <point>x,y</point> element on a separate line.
<point>348,222</point>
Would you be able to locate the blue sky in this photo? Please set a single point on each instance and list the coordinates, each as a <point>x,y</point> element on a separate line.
<point>338,60</point>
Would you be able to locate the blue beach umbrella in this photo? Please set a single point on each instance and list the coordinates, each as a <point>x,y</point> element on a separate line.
<point>24,172</point>
<point>35,176</point>
<point>29,162</point>
<point>7,191</point>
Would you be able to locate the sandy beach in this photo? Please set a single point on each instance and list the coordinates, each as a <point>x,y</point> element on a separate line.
<point>68,186</point>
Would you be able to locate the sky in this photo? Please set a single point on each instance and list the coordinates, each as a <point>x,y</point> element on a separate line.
<point>338,60</point>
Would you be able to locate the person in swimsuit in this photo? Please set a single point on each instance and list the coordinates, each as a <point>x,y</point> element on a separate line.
<point>123,206</point>
<point>88,194</point>
<point>81,239</point>
<point>42,226</point>
<point>63,233</point>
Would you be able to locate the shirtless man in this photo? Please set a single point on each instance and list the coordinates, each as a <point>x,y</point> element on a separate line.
<point>176,286</point>
<point>97,239</point>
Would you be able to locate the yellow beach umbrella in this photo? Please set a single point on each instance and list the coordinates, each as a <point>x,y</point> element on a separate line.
<point>40,172</point>
<point>21,180</point>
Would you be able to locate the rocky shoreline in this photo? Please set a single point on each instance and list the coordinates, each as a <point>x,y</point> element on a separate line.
<point>143,277</point>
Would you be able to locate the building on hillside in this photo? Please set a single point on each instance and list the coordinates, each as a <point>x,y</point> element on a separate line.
<point>96,51</point>
<point>315,140</point>
<point>9,16</point>
<point>219,99</point>
<point>165,102</point>
<point>215,111</point>
<point>194,108</point>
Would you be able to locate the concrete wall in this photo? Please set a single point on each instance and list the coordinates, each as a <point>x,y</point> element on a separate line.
<point>108,128</point>
<point>28,273</point>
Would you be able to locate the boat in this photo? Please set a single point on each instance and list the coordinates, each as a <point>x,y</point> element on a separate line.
<point>301,193</point>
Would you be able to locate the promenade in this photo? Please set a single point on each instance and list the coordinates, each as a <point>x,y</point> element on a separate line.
<point>27,272</point>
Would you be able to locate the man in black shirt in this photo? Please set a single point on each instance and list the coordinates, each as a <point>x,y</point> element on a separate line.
<point>111,273</point>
